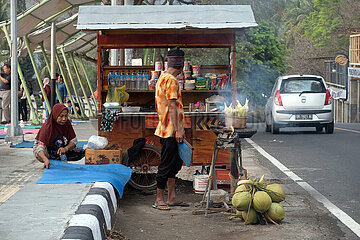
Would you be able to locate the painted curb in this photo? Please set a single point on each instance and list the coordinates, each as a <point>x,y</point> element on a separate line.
<point>95,215</point>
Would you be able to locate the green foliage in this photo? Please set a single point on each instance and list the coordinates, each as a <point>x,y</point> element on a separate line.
<point>260,60</point>
<point>4,8</point>
<point>26,67</point>
<point>322,21</point>
<point>207,56</point>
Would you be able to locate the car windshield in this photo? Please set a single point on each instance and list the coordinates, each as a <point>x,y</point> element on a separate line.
<point>300,85</point>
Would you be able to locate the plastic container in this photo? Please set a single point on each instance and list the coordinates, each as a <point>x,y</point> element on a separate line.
<point>196,69</point>
<point>199,183</point>
<point>158,66</point>
<point>186,66</point>
<point>63,157</point>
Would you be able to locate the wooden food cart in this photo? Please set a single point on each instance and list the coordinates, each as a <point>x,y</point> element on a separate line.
<point>131,27</point>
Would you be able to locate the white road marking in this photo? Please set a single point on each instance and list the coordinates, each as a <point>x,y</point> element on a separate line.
<point>337,212</point>
<point>8,191</point>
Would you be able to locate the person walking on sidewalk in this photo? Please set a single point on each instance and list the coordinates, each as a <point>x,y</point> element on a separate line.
<point>61,87</point>
<point>5,93</point>
<point>22,104</point>
<point>170,129</point>
<point>57,137</point>
<point>46,82</point>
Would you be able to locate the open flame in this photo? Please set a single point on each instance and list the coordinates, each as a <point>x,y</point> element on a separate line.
<point>232,129</point>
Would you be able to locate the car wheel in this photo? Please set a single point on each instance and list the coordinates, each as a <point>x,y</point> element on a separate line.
<point>329,128</point>
<point>319,129</point>
<point>274,127</point>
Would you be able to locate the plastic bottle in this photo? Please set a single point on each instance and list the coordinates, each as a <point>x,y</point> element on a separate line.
<point>63,157</point>
<point>139,80</point>
<point>133,80</point>
<point>127,80</point>
<point>145,80</point>
<point>117,78</point>
<point>110,78</point>
<point>122,78</point>
<point>111,86</point>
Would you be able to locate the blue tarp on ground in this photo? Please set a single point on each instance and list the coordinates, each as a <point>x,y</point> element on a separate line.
<point>81,144</point>
<point>30,144</point>
<point>62,172</point>
<point>24,144</point>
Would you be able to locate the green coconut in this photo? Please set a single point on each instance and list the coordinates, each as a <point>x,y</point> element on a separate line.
<point>239,214</point>
<point>276,192</point>
<point>241,200</point>
<point>261,201</point>
<point>250,218</point>
<point>241,188</point>
<point>276,212</point>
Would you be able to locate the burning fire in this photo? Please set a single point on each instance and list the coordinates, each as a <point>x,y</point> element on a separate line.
<point>232,129</point>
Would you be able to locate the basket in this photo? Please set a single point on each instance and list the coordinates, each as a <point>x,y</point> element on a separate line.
<point>236,122</point>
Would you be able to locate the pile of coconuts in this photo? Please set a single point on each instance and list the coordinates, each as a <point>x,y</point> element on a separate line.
<point>256,201</point>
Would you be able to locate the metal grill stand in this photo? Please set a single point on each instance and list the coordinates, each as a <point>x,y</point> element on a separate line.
<point>227,139</point>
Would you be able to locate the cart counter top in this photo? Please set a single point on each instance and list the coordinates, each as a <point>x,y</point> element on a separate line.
<point>140,114</point>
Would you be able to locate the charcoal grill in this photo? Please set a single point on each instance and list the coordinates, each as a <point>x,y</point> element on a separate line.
<point>227,139</point>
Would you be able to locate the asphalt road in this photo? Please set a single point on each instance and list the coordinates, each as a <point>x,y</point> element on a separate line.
<point>330,163</point>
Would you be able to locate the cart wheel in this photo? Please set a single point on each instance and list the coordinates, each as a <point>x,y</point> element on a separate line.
<point>144,168</point>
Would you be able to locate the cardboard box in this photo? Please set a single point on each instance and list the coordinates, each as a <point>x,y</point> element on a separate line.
<point>95,156</point>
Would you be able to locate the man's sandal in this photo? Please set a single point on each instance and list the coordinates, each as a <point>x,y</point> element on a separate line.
<point>160,207</point>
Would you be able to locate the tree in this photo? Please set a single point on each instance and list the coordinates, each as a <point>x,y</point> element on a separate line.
<point>260,61</point>
<point>4,55</point>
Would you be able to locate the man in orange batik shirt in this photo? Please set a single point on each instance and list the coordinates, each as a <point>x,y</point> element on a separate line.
<point>170,129</point>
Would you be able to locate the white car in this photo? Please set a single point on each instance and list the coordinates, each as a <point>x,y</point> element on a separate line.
<point>299,101</point>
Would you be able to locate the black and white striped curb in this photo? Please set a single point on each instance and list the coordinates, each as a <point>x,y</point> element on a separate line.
<point>95,215</point>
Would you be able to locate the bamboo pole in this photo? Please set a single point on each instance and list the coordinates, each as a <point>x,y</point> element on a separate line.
<point>88,82</point>
<point>91,114</point>
<point>37,73</point>
<point>35,119</point>
<point>49,70</point>
<point>67,86</point>
<point>72,82</point>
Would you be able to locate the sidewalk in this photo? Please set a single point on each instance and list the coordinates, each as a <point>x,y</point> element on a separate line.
<point>36,211</point>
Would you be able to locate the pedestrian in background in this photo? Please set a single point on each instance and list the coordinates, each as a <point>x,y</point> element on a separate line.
<point>61,88</point>
<point>22,104</point>
<point>5,86</point>
<point>46,82</point>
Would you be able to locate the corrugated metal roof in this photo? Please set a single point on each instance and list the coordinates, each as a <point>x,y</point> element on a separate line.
<point>41,11</point>
<point>165,17</point>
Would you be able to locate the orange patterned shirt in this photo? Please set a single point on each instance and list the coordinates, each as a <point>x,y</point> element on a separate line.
<point>167,88</point>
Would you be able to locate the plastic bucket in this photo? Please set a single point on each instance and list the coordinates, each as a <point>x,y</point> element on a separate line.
<point>199,183</point>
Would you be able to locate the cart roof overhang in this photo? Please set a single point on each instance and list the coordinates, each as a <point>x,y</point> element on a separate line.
<point>94,18</point>
<point>190,25</point>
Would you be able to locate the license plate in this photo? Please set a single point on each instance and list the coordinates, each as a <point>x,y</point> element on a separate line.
<point>303,116</point>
